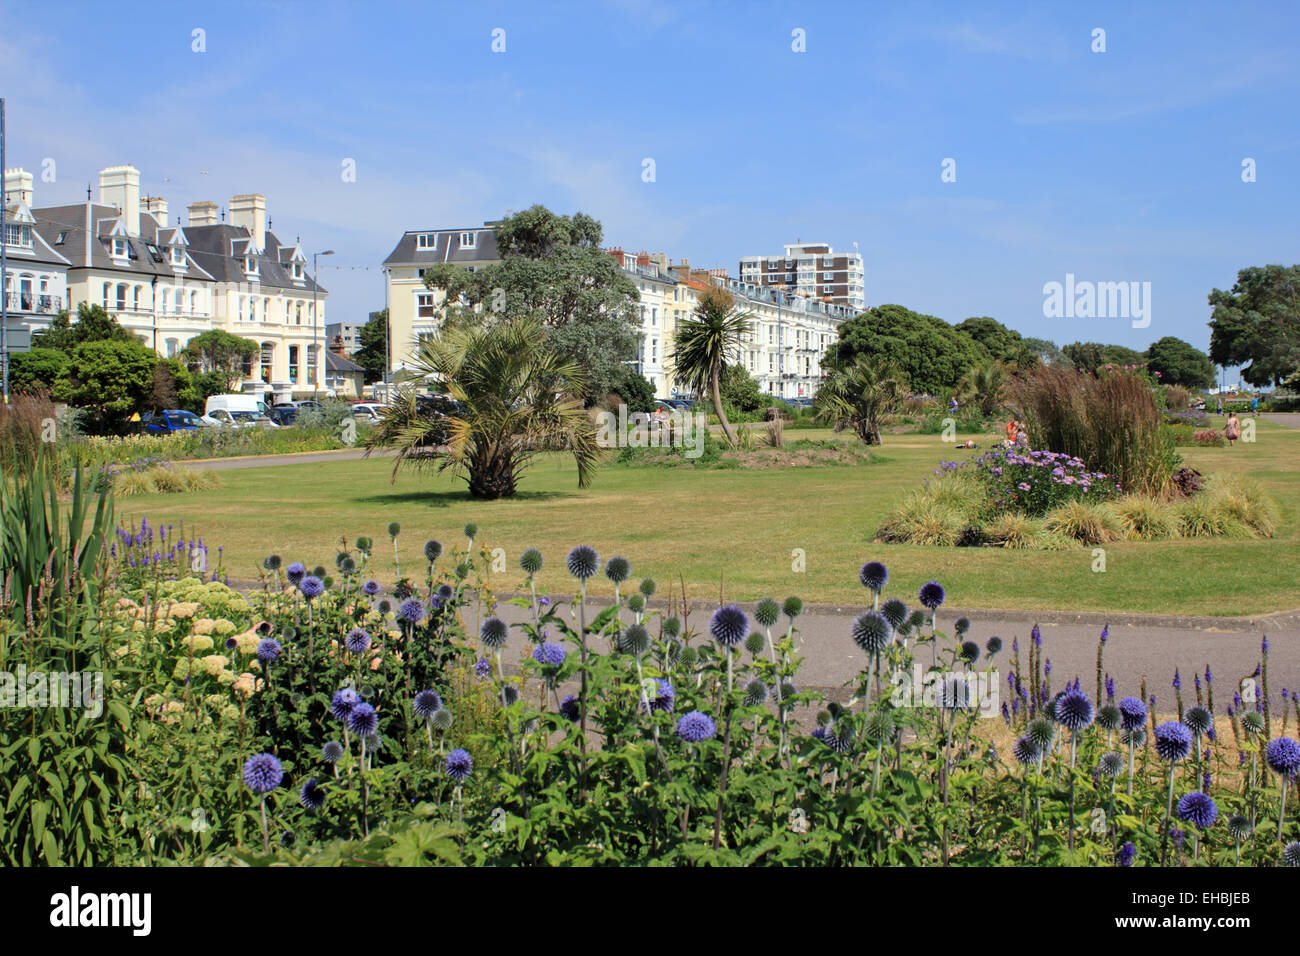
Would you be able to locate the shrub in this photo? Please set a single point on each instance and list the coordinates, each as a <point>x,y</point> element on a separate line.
<point>1109,420</point>
<point>1087,522</point>
<point>1035,482</point>
<point>1241,499</point>
<point>1143,518</point>
<point>24,424</point>
<point>1210,437</point>
<point>1012,530</point>
<point>1201,517</point>
<point>922,520</point>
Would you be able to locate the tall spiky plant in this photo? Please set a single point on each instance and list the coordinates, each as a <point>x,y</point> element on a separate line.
<point>705,342</point>
<point>517,397</point>
<point>860,395</point>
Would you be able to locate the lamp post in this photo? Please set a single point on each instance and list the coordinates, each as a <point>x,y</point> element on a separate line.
<point>315,319</point>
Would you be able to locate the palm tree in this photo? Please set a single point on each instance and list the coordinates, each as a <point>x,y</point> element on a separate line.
<point>511,396</point>
<point>981,386</point>
<point>860,395</point>
<point>703,344</point>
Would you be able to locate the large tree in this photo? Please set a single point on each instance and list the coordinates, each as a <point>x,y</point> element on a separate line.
<point>553,270</point>
<point>1258,322</point>
<point>36,370</point>
<point>517,396</point>
<point>110,379</point>
<point>1045,350</point>
<point>930,354</point>
<point>1092,356</point>
<point>1180,363</point>
<point>705,341</point>
<point>218,351</point>
<point>1002,344</point>
<point>93,325</point>
<point>372,355</point>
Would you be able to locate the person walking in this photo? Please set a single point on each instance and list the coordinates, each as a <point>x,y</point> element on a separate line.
<point>1233,429</point>
<point>1220,406</point>
<point>1254,406</point>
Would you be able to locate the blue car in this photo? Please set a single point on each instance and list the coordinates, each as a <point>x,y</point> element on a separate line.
<point>171,420</point>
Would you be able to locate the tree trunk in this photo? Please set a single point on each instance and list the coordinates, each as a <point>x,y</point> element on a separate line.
<point>727,430</point>
<point>491,479</point>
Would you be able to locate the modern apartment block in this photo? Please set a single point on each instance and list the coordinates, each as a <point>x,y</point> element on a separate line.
<point>348,332</point>
<point>167,282</point>
<point>415,311</point>
<point>811,269</point>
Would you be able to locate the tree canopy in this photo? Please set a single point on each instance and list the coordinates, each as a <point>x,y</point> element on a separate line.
<point>1001,343</point>
<point>110,378</point>
<point>372,355</point>
<point>93,325</point>
<point>925,351</point>
<point>218,351</point>
<point>1257,324</point>
<point>1091,356</point>
<point>1180,363</point>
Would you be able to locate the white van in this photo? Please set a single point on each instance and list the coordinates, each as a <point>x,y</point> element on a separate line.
<point>234,403</point>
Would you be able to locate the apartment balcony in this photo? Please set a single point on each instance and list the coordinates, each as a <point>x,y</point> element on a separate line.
<point>31,302</point>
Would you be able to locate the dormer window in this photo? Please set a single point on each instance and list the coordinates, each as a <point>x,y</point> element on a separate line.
<point>178,256</point>
<point>119,247</point>
<point>426,240</point>
<point>250,265</point>
<point>18,234</point>
<point>467,240</point>
<point>298,271</point>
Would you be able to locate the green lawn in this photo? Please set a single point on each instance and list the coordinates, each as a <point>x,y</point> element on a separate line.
<point>736,530</point>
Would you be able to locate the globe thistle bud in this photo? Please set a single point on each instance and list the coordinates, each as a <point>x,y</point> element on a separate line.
<point>792,607</point>
<point>394,529</point>
<point>755,643</point>
<point>647,587</point>
<point>636,603</point>
<point>766,612</point>
<point>432,550</point>
<point>617,569</point>
<point>471,530</point>
<point>871,632</point>
<point>494,632</point>
<point>755,693</point>
<point>634,640</point>
<point>993,646</point>
<point>441,720</point>
<point>671,627</point>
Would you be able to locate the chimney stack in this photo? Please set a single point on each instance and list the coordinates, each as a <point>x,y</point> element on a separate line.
<point>250,212</point>
<point>203,214</point>
<point>18,186</point>
<point>119,186</point>
<point>157,206</point>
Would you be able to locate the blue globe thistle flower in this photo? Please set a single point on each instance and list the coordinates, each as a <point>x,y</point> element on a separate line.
<point>569,709</point>
<point>1198,719</point>
<point>821,732</point>
<point>1025,750</point>
<point>767,612</point>
<point>342,703</point>
<point>358,640</point>
<point>411,610</point>
<point>295,573</point>
<point>970,652</point>
<point>617,569</point>
<point>312,796</point>
<point>531,561</point>
<point>1283,755</point>
<point>311,587</point>
<point>1132,713</point>
<point>792,607</point>
<point>549,654</point>
<point>1111,765</point>
<point>363,720</point>
<point>874,576</point>
<point>1291,854</point>
<point>262,774</point>
<point>332,752</point>
<point>1198,809</point>
<point>993,646</point>
<point>840,740</point>
<point>268,651</point>
<point>1173,741</point>
<point>1124,855</point>
<point>494,632</point>
<point>666,697</point>
<point>371,588</point>
<point>696,727</point>
<point>231,643</point>
<point>459,765</point>
<point>895,612</point>
<point>871,632</point>
<point>1074,710</point>
<point>426,703</point>
<point>432,550</point>
<point>729,625</point>
<point>444,593</point>
<point>583,562</point>
<point>931,595</point>
<point>1239,827</point>
<point>961,626</point>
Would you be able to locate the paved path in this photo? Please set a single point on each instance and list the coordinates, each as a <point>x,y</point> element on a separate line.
<point>1290,419</point>
<point>1137,646</point>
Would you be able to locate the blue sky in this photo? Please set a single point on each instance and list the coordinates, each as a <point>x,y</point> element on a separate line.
<point>1115,166</point>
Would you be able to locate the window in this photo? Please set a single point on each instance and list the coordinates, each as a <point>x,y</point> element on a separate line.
<point>165,299</point>
<point>297,314</point>
<point>250,265</point>
<point>293,363</point>
<point>171,348</point>
<point>467,240</point>
<point>252,309</point>
<point>424,306</point>
<point>107,291</point>
<point>59,241</point>
<point>297,270</point>
<point>178,256</point>
<point>18,234</point>
<point>268,360</point>
<point>654,315</point>
<point>194,303</point>
<point>311,366</point>
<point>771,362</point>
<point>654,351</point>
<point>243,300</point>
<point>426,240</point>
<point>119,248</point>
<point>266,310</point>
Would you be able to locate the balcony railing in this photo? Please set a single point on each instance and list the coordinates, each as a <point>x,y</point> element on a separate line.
<point>31,302</point>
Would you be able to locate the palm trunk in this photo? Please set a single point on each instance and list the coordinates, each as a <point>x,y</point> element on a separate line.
<point>727,430</point>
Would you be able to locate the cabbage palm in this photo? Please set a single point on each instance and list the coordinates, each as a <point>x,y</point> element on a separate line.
<point>517,396</point>
<point>860,395</point>
<point>981,386</point>
<point>704,343</point>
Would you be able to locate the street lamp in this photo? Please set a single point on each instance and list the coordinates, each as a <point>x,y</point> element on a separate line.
<point>315,318</point>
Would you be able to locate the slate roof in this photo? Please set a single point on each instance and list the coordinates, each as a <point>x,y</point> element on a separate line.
<point>214,245</point>
<point>42,252</point>
<point>447,247</point>
<point>339,363</point>
<point>69,223</point>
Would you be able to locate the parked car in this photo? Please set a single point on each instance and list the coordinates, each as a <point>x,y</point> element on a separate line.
<point>240,419</point>
<point>367,411</point>
<point>171,420</point>
<point>283,415</point>
<point>681,404</point>
<point>437,407</point>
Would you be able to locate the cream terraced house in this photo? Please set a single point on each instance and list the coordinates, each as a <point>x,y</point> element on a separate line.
<point>167,283</point>
<point>414,311</point>
<point>36,277</point>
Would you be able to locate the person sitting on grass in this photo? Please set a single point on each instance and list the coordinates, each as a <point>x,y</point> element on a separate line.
<point>1233,429</point>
